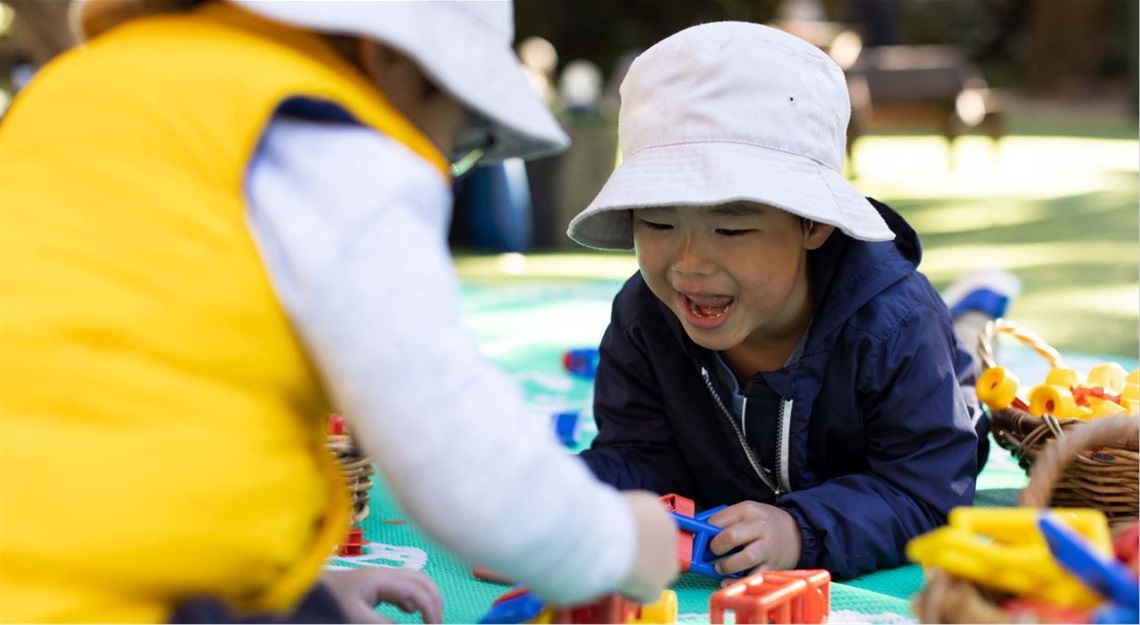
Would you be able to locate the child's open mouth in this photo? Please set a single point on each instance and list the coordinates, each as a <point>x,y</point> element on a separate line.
<point>706,311</point>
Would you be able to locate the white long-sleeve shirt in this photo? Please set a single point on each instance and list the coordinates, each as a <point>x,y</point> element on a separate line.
<point>352,228</point>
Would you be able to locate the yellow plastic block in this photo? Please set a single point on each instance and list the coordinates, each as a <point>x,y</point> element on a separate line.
<point>1055,400</point>
<point>997,388</point>
<point>1021,569</point>
<point>1003,548</point>
<point>1109,376</point>
<point>1104,408</point>
<point>664,610</point>
<point>1060,376</point>
<point>1131,391</point>
<point>1133,378</point>
<point>1019,525</point>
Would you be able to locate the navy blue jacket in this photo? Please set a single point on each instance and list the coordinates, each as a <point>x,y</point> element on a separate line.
<point>878,435</point>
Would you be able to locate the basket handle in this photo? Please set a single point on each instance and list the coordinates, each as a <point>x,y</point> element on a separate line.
<point>1050,463</point>
<point>995,327</point>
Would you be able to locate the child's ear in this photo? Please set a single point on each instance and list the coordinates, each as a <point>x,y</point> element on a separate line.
<point>816,234</point>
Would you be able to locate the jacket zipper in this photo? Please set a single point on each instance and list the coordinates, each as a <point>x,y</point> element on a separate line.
<point>784,427</point>
<point>763,475</point>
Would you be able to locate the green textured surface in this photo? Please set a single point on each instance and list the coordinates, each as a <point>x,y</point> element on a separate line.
<point>525,326</point>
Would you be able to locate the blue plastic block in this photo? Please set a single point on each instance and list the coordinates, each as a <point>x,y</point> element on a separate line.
<point>1107,576</point>
<point>520,609</point>
<point>582,362</point>
<point>566,426</point>
<point>703,560</point>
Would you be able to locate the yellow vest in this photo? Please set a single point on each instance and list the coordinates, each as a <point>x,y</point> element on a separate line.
<point>162,431</point>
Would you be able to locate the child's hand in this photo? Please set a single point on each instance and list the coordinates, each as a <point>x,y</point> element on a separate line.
<point>359,591</point>
<point>655,563</point>
<point>769,538</point>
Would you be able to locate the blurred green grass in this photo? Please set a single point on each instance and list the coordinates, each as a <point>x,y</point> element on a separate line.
<point>1061,212</point>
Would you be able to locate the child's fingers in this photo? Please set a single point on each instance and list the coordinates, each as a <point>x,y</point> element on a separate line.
<point>429,604</point>
<point>734,535</point>
<point>752,556</point>
<point>414,592</point>
<point>731,515</point>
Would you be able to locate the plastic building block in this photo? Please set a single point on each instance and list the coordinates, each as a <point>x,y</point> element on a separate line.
<point>1097,570</point>
<point>336,424</point>
<point>1110,376</point>
<point>567,425</point>
<point>582,362</point>
<point>353,543</point>
<point>997,388</point>
<point>685,507</point>
<point>702,560</point>
<point>517,606</point>
<point>1127,547</point>
<point>490,576</point>
<point>1107,391</point>
<point>1004,549</point>
<point>520,606</point>
<point>799,596</point>
<point>664,610</point>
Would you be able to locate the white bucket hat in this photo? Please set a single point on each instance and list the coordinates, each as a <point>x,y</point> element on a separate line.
<point>465,47</point>
<point>731,111</point>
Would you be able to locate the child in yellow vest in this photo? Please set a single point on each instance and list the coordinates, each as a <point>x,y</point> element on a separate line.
<point>219,221</point>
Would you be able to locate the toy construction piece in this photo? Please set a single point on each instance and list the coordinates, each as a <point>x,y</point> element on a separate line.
<point>1002,548</point>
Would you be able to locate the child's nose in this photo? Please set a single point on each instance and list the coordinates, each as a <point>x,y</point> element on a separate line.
<point>692,258</point>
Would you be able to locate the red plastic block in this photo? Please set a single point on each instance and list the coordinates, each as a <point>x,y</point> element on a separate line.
<point>802,596</point>
<point>685,506</point>
<point>1127,546</point>
<point>353,543</point>
<point>336,424</point>
<point>611,609</point>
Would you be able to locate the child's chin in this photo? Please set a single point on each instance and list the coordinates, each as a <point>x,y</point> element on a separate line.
<point>712,343</point>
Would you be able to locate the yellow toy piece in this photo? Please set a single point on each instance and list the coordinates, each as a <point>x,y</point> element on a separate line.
<point>1003,548</point>
<point>1130,396</point>
<point>1061,376</point>
<point>1104,408</point>
<point>664,610</point>
<point>1019,525</point>
<point>1109,376</point>
<point>1055,400</point>
<point>997,388</point>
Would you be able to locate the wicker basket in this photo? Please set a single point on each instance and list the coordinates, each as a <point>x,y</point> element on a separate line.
<point>1103,477</point>
<point>356,466</point>
<point>949,599</point>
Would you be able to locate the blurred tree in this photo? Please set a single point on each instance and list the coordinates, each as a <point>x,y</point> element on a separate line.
<point>601,31</point>
<point>1068,41</point>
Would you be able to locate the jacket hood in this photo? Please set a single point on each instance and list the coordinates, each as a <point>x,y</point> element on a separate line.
<point>847,273</point>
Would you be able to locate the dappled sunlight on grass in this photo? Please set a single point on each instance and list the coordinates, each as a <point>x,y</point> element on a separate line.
<point>1035,167</point>
<point>946,262</point>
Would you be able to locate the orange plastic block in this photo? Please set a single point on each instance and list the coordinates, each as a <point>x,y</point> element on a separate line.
<point>801,596</point>
<point>611,609</point>
<point>490,576</point>
<point>685,506</point>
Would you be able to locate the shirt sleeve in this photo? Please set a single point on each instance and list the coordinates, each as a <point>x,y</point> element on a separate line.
<point>352,229</point>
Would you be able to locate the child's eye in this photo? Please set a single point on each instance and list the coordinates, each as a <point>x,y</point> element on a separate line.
<point>728,232</point>
<point>652,225</point>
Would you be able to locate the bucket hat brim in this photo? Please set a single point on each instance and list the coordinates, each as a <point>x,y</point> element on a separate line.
<point>460,53</point>
<point>720,172</point>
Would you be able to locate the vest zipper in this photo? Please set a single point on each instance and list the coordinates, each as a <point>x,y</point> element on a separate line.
<point>763,475</point>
